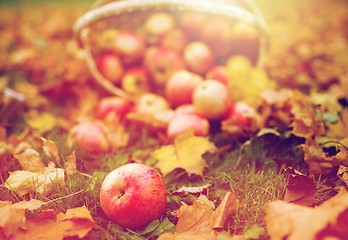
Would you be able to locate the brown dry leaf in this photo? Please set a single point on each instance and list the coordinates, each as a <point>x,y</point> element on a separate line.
<point>186,153</point>
<point>342,173</point>
<point>200,221</point>
<point>42,181</point>
<point>318,161</point>
<point>70,163</point>
<point>12,217</point>
<point>291,221</point>
<point>56,225</point>
<point>300,188</point>
<point>305,123</point>
<point>30,160</point>
<point>116,133</point>
<point>340,129</point>
<point>50,149</point>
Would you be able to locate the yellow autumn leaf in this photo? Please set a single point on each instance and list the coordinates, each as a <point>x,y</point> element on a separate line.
<point>186,153</point>
<point>43,181</point>
<point>42,122</point>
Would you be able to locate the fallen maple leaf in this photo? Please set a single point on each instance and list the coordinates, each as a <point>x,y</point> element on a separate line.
<point>30,160</point>
<point>186,153</point>
<point>340,129</point>
<point>50,149</point>
<point>300,188</point>
<point>12,216</point>
<point>42,181</point>
<point>200,221</point>
<point>291,221</point>
<point>49,225</point>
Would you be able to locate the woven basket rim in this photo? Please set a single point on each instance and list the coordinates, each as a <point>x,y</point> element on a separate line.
<point>82,30</point>
<point>202,6</point>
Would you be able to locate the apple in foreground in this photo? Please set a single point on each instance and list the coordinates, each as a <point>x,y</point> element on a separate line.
<point>180,86</point>
<point>116,105</point>
<point>211,99</point>
<point>183,122</point>
<point>89,138</point>
<point>133,195</point>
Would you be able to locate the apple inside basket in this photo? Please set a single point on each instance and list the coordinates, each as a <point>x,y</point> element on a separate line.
<point>136,46</point>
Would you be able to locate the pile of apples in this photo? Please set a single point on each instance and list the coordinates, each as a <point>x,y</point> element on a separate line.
<point>176,69</point>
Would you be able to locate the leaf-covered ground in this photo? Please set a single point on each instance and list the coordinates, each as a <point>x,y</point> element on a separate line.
<point>285,178</point>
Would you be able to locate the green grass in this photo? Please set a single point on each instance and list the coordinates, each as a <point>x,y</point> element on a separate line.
<point>251,169</point>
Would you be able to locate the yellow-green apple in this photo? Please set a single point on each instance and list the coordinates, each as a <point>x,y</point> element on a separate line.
<point>187,121</point>
<point>191,24</point>
<point>198,57</point>
<point>180,86</point>
<point>136,80</point>
<point>110,66</point>
<point>175,40</point>
<point>242,113</point>
<point>130,46</point>
<point>105,40</point>
<point>218,72</point>
<point>217,33</point>
<point>133,195</point>
<point>89,138</point>
<point>117,105</point>
<point>156,25</point>
<point>246,40</point>
<point>150,104</point>
<point>162,63</point>
<point>211,99</point>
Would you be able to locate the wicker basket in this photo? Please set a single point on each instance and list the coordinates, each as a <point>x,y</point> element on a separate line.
<point>126,14</point>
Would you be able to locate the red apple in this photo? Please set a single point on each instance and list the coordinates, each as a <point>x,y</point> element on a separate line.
<point>211,99</point>
<point>162,63</point>
<point>116,105</point>
<point>217,33</point>
<point>130,46</point>
<point>246,40</point>
<point>219,73</point>
<point>156,25</point>
<point>89,138</point>
<point>133,195</point>
<point>150,103</point>
<point>191,24</point>
<point>175,40</point>
<point>110,66</point>
<point>180,86</point>
<point>184,109</point>
<point>183,122</point>
<point>243,114</point>
<point>198,57</point>
<point>136,80</point>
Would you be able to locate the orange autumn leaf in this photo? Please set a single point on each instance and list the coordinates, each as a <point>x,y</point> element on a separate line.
<point>340,129</point>
<point>70,163</point>
<point>50,149</point>
<point>293,222</point>
<point>51,225</point>
<point>200,221</point>
<point>12,217</point>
